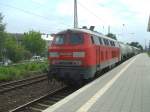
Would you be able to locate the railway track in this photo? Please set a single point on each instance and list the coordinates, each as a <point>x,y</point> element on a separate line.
<point>40,104</point>
<point>21,83</point>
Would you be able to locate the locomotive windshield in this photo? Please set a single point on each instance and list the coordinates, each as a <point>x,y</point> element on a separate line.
<point>59,40</point>
<point>72,38</point>
<point>76,39</point>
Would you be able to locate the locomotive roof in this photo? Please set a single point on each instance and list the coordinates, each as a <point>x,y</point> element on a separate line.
<point>93,33</point>
<point>86,31</point>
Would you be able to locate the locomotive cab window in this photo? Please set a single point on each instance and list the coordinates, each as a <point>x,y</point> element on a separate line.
<point>76,39</point>
<point>92,39</point>
<point>100,41</point>
<point>59,40</point>
<point>105,42</point>
<point>108,42</point>
<point>95,40</point>
<point>112,43</point>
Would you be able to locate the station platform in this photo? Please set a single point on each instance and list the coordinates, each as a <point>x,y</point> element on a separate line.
<point>126,88</point>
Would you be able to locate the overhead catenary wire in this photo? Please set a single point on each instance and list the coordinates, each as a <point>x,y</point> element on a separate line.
<point>46,18</point>
<point>31,13</point>
<point>91,12</point>
<point>25,11</point>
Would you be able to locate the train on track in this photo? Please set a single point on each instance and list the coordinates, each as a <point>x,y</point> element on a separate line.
<point>76,55</point>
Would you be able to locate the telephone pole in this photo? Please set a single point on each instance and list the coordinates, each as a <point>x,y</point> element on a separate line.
<point>75,14</point>
<point>148,27</point>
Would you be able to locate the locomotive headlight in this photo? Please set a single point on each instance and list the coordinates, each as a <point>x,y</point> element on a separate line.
<point>79,54</point>
<point>53,54</point>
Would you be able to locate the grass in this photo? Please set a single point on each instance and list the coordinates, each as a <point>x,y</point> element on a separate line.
<point>20,71</point>
<point>148,53</point>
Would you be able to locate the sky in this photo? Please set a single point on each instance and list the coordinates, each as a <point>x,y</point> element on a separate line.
<point>128,19</point>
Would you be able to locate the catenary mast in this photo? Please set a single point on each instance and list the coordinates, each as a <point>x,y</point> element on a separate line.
<point>75,14</point>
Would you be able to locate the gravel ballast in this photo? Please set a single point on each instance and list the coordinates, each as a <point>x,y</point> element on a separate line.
<point>15,98</point>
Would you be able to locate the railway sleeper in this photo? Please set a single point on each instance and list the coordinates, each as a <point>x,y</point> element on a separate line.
<point>49,102</point>
<point>38,106</point>
<point>44,105</point>
<point>54,99</point>
<point>60,96</point>
<point>36,109</point>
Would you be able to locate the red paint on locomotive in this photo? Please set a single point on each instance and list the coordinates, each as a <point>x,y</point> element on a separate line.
<point>81,53</point>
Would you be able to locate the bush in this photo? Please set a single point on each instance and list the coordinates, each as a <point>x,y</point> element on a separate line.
<point>148,53</point>
<point>14,51</point>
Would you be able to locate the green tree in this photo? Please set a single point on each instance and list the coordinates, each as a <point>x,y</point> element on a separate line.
<point>14,51</point>
<point>9,48</point>
<point>33,42</point>
<point>2,25</point>
<point>111,35</point>
<point>2,36</point>
<point>136,44</point>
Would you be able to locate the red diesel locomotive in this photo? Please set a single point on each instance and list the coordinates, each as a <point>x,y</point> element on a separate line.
<point>77,54</point>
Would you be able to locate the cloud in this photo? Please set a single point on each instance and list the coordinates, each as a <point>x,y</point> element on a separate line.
<point>65,8</point>
<point>41,2</point>
<point>140,8</point>
<point>93,13</point>
<point>108,12</point>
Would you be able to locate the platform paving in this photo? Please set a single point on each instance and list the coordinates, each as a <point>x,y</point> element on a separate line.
<point>126,88</point>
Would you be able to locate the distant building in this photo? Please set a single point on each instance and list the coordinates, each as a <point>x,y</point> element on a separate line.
<point>48,38</point>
